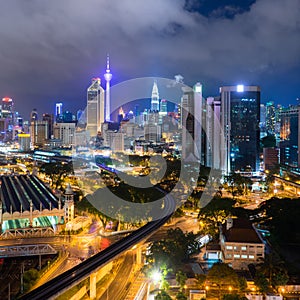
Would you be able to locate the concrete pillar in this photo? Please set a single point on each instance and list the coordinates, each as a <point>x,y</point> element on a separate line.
<point>139,255</point>
<point>1,219</point>
<point>30,216</point>
<point>93,289</point>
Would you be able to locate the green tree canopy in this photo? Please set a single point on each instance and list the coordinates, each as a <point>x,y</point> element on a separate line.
<point>172,250</point>
<point>274,270</point>
<point>216,212</point>
<point>280,216</point>
<point>163,295</point>
<point>57,172</point>
<point>181,279</point>
<point>222,276</point>
<point>181,296</point>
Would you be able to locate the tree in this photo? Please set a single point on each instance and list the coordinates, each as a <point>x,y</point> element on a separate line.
<point>171,251</point>
<point>181,279</point>
<point>164,272</point>
<point>233,297</point>
<point>261,282</point>
<point>162,295</point>
<point>29,278</point>
<point>201,278</point>
<point>57,172</point>
<point>181,296</point>
<point>236,184</point>
<point>215,213</point>
<point>281,216</point>
<point>273,268</point>
<point>223,276</point>
<point>242,284</point>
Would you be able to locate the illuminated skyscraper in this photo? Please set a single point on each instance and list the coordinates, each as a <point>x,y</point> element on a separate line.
<point>213,133</point>
<point>270,117</point>
<point>58,110</point>
<point>289,136</point>
<point>34,115</point>
<point>7,110</point>
<point>95,107</point>
<point>163,110</point>
<point>240,113</point>
<point>107,77</point>
<point>155,98</point>
<point>191,121</point>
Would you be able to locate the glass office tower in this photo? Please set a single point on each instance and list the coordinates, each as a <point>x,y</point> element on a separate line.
<point>240,117</point>
<point>95,107</point>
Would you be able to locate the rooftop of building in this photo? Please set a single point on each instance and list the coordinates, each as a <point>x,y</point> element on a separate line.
<point>213,247</point>
<point>240,231</point>
<point>18,191</point>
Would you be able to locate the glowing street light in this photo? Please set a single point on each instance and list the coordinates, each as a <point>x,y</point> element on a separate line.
<point>156,276</point>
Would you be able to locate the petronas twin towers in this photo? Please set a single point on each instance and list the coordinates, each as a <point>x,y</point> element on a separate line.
<point>155,98</point>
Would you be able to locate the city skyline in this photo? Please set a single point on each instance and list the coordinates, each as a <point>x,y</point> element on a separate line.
<point>254,43</point>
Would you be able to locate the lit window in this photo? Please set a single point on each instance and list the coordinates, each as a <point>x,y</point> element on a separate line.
<point>251,256</point>
<point>244,256</point>
<point>229,247</point>
<point>236,256</point>
<point>243,248</point>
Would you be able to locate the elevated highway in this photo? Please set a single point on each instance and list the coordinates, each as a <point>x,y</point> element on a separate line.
<point>74,276</point>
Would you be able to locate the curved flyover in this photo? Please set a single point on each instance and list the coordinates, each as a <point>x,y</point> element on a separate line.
<point>72,277</point>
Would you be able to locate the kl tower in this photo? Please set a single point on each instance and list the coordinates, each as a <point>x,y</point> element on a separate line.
<point>107,77</point>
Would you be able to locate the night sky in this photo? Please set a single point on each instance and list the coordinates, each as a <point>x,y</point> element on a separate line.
<point>50,50</point>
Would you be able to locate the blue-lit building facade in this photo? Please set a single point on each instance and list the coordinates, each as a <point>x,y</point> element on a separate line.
<point>240,117</point>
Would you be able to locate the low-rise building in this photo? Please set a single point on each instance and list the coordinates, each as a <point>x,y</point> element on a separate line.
<point>241,243</point>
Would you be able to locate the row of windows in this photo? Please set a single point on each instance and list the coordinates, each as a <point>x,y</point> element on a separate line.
<point>243,256</point>
<point>243,248</point>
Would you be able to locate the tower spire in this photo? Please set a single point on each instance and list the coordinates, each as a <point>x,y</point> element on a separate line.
<point>107,77</point>
<point>107,64</point>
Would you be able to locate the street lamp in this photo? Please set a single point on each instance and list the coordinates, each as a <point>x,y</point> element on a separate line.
<point>156,276</point>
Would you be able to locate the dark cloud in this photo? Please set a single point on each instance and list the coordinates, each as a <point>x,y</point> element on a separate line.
<point>50,50</point>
